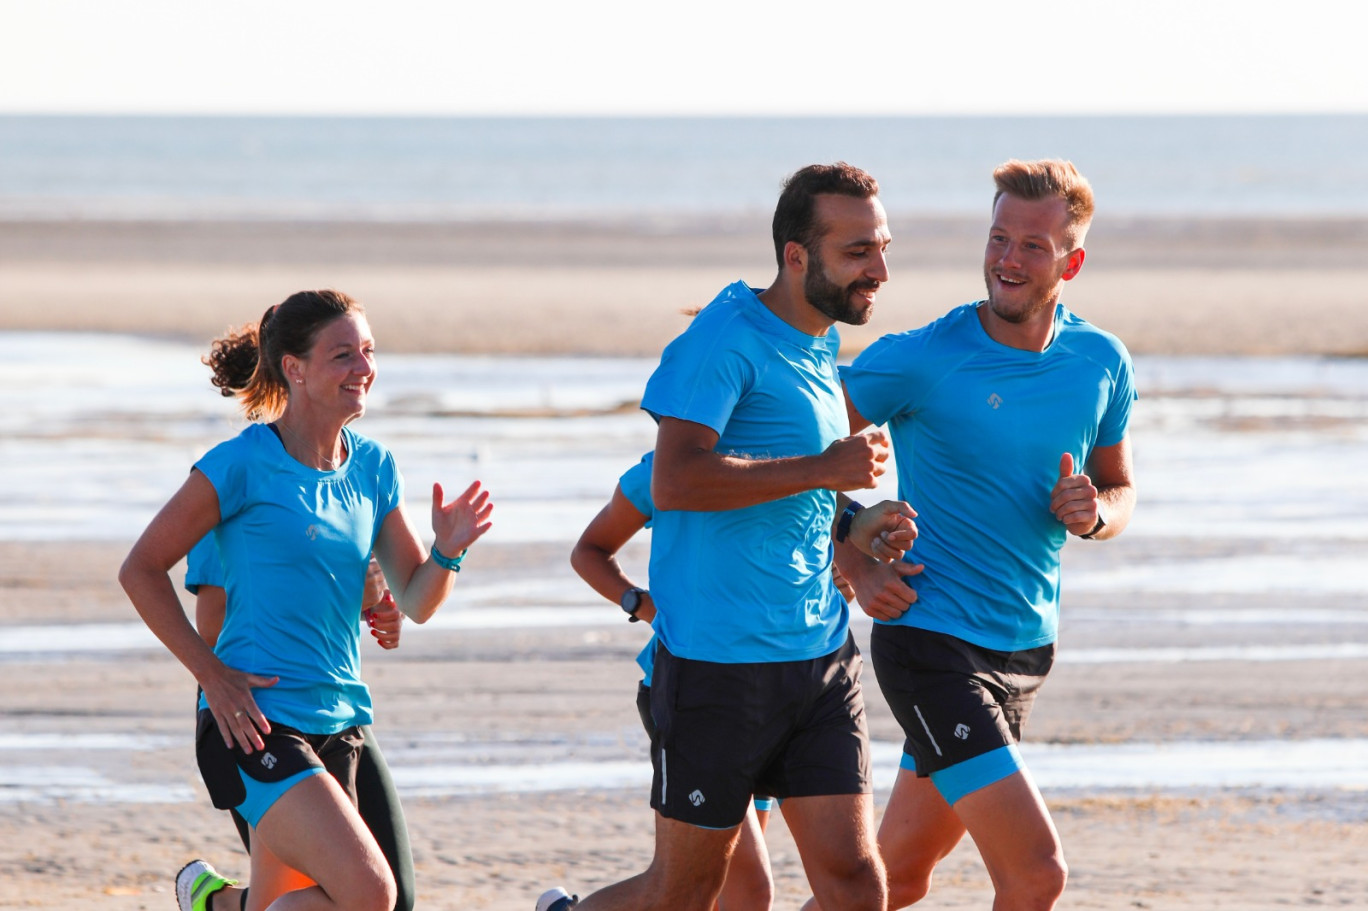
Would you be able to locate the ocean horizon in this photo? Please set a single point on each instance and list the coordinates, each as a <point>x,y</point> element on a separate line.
<point>567,168</point>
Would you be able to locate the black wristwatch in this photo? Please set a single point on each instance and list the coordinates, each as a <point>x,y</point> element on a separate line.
<point>631,603</point>
<point>843,524</point>
<point>1101,524</point>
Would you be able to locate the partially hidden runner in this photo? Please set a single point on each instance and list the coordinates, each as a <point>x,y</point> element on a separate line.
<point>749,885</point>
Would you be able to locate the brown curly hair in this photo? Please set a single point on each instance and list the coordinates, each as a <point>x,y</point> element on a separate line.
<point>247,361</point>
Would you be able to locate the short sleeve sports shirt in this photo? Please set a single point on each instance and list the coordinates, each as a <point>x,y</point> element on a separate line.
<point>752,584</point>
<point>978,429</point>
<point>295,544</point>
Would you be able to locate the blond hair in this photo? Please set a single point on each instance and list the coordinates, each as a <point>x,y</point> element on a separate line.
<point>1046,179</point>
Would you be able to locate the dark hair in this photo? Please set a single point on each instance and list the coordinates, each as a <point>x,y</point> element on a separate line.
<point>247,361</point>
<point>1045,179</point>
<point>794,215</point>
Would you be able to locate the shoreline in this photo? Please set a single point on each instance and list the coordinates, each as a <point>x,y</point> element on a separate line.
<point>1163,285</point>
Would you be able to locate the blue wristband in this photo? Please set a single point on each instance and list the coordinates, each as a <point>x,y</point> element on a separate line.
<point>451,563</point>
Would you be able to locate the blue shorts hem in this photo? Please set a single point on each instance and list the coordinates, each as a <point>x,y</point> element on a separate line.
<point>262,796</point>
<point>966,777</point>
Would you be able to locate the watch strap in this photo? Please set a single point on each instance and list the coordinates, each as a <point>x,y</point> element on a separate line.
<point>631,603</point>
<point>1101,524</point>
<point>847,516</point>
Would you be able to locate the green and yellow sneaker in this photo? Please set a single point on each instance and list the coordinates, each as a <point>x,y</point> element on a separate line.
<point>195,882</point>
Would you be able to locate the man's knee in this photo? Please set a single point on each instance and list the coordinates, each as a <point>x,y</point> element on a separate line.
<point>747,889</point>
<point>869,892</point>
<point>858,886</point>
<point>911,872</point>
<point>1050,878</point>
<point>1038,887</point>
<point>748,896</point>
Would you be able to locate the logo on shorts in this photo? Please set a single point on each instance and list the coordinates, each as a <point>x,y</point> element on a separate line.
<point>995,400</point>
<point>269,760</point>
<point>962,731</point>
<point>697,798</point>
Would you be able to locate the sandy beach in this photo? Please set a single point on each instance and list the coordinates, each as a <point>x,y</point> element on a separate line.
<point>1166,287</point>
<point>1241,849</point>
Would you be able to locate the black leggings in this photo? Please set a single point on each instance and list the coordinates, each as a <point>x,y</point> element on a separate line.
<point>379,805</point>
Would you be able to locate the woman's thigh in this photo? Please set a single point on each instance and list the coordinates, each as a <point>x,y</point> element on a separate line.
<point>314,829</point>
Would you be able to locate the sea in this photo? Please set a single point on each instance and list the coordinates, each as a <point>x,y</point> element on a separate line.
<point>1250,543</point>
<point>516,168</point>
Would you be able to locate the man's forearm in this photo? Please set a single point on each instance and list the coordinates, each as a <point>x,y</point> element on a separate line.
<point>709,481</point>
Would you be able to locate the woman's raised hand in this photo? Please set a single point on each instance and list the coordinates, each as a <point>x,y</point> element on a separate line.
<point>462,522</point>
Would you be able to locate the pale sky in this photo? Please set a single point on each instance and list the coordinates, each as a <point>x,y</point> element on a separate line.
<point>696,57</point>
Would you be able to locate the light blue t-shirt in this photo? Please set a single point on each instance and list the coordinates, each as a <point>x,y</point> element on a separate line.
<point>978,429</point>
<point>635,484</point>
<point>295,545</point>
<point>203,566</point>
<point>752,584</point>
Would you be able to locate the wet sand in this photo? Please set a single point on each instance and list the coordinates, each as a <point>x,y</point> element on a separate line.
<point>573,689</point>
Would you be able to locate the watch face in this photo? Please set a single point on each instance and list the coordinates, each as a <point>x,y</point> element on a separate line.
<point>631,600</point>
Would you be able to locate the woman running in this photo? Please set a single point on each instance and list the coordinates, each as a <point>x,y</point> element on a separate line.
<point>296,505</point>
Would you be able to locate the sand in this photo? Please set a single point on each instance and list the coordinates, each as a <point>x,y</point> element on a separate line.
<point>1236,287</point>
<point>1171,287</point>
<point>1199,849</point>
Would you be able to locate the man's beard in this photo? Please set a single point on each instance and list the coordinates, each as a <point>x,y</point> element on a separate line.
<point>1038,303</point>
<point>833,300</point>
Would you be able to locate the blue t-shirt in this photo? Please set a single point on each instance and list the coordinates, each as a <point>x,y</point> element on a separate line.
<point>635,485</point>
<point>752,584</point>
<point>978,429</point>
<point>295,544</point>
<point>203,566</point>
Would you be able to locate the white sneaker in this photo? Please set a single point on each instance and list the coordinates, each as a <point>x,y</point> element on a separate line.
<point>195,882</point>
<point>556,899</point>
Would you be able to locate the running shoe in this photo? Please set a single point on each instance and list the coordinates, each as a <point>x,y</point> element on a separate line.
<point>556,899</point>
<point>195,882</point>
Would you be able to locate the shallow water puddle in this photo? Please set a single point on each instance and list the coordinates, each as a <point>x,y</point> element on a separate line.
<point>1308,764</point>
<point>96,431</point>
<point>20,643</point>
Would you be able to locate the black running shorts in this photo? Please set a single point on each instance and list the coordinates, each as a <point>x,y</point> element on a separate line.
<point>955,700</point>
<point>727,731</point>
<point>230,773</point>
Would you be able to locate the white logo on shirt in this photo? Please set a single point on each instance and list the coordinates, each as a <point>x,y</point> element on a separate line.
<point>962,731</point>
<point>312,532</point>
<point>995,400</point>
